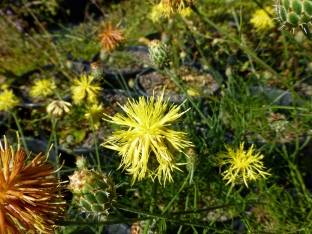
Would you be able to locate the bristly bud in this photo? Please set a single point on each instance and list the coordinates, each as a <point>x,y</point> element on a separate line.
<point>97,71</point>
<point>69,64</point>
<point>192,160</point>
<point>104,55</point>
<point>81,162</point>
<point>131,83</point>
<point>295,13</point>
<point>94,191</point>
<point>159,53</point>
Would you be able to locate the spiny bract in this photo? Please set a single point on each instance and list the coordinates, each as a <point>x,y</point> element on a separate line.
<point>294,13</point>
<point>94,191</point>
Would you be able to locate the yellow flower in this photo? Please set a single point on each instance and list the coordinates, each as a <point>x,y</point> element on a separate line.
<point>8,100</point>
<point>111,38</point>
<point>4,86</point>
<point>29,193</point>
<point>56,108</point>
<point>241,165</point>
<point>168,8</point>
<point>97,114</point>
<point>43,87</point>
<point>186,12</point>
<point>261,20</point>
<point>157,12</point>
<point>83,89</point>
<point>147,144</point>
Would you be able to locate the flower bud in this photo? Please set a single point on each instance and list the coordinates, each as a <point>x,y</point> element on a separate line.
<point>94,191</point>
<point>294,13</point>
<point>97,71</point>
<point>81,162</point>
<point>57,108</point>
<point>192,159</point>
<point>159,53</point>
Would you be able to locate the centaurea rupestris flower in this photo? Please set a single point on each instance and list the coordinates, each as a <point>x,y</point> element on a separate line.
<point>111,38</point>
<point>57,108</point>
<point>261,20</point>
<point>97,114</point>
<point>147,143</point>
<point>84,89</point>
<point>168,8</point>
<point>29,193</point>
<point>43,87</point>
<point>242,166</point>
<point>8,100</point>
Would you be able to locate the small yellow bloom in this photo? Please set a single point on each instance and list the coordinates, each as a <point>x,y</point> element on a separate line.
<point>30,199</point>
<point>43,87</point>
<point>97,114</point>
<point>186,12</point>
<point>83,89</point>
<point>241,165</point>
<point>168,8</point>
<point>56,108</point>
<point>262,21</point>
<point>147,144</point>
<point>8,100</point>
<point>4,86</point>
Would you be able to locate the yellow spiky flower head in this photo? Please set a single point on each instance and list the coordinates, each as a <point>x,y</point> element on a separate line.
<point>168,8</point>
<point>241,165</point>
<point>146,143</point>
<point>261,20</point>
<point>84,89</point>
<point>43,87</point>
<point>29,193</point>
<point>8,100</point>
<point>97,114</point>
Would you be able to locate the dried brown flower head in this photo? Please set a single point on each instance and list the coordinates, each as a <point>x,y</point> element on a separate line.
<point>30,198</point>
<point>110,37</point>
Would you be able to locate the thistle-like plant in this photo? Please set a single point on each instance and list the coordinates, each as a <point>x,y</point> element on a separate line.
<point>146,143</point>
<point>111,38</point>
<point>29,193</point>
<point>241,165</point>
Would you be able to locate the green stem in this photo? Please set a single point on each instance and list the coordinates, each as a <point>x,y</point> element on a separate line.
<point>230,190</point>
<point>188,222</point>
<point>152,205</point>
<point>54,121</point>
<point>301,182</point>
<point>209,123</point>
<point>201,52</point>
<point>177,194</point>
<point>21,132</point>
<point>188,194</point>
<point>95,138</point>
